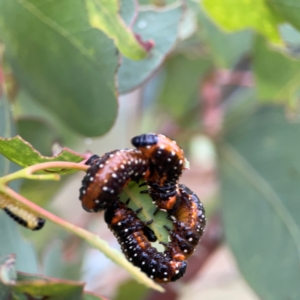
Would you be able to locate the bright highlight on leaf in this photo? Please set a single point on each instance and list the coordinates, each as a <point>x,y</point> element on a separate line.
<point>235,15</point>
<point>104,15</point>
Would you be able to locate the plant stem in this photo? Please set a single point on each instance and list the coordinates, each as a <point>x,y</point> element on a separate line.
<point>91,238</point>
<point>28,172</point>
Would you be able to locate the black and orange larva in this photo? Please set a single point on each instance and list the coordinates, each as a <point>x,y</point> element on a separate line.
<point>130,233</point>
<point>107,176</point>
<point>21,214</point>
<point>166,163</point>
<point>159,161</point>
<point>189,221</point>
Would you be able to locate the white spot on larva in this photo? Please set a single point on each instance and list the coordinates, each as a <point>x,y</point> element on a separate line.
<point>175,168</point>
<point>169,159</point>
<point>105,188</point>
<point>111,155</point>
<point>97,201</point>
<point>153,270</point>
<point>126,230</point>
<point>136,161</point>
<point>173,153</point>
<point>148,147</point>
<point>122,166</point>
<point>177,271</point>
<point>165,273</point>
<point>119,223</point>
<point>112,191</point>
<point>180,162</point>
<point>143,263</point>
<point>83,192</point>
<point>91,178</point>
<point>165,279</point>
<point>114,175</point>
<point>135,254</point>
<point>107,162</point>
<point>185,251</point>
<point>158,152</point>
<point>105,181</point>
<point>151,276</point>
<point>162,147</point>
<point>144,173</point>
<point>101,166</point>
<point>130,259</point>
<point>190,239</point>
<point>174,142</point>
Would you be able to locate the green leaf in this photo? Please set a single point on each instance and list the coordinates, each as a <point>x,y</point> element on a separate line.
<point>104,15</point>
<point>232,15</point>
<point>11,240</point>
<point>38,133</point>
<point>137,200</point>
<point>92,296</point>
<point>260,172</point>
<point>56,265</point>
<point>131,290</point>
<point>287,9</point>
<point>40,286</point>
<point>162,27</point>
<point>227,48</point>
<point>273,84</point>
<point>62,61</point>
<point>12,147</point>
<point>182,78</point>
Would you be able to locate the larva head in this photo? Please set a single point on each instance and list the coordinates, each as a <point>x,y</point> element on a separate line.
<point>144,140</point>
<point>92,160</point>
<point>165,156</point>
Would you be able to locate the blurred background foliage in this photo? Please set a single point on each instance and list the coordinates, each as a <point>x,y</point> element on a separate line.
<point>222,80</point>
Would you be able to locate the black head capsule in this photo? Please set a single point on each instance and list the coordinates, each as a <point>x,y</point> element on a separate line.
<point>144,140</point>
<point>92,160</point>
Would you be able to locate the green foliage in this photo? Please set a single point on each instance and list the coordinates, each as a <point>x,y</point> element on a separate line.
<point>210,72</point>
<point>255,14</point>
<point>162,28</point>
<point>12,147</point>
<point>260,174</point>
<point>271,84</point>
<point>104,15</point>
<point>66,64</point>
<point>21,285</point>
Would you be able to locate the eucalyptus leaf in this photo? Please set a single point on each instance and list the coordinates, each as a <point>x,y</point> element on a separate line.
<point>260,172</point>
<point>161,26</point>
<point>61,61</point>
<point>12,147</point>
<point>232,15</point>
